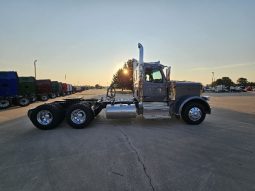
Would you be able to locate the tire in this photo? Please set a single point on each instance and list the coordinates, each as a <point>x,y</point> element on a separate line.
<point>44,98</point>
<point>53,95</point>
<point>33,99</point>
<point>23,101</point>
<point>4,103</point>
<point>79,115</point>
<point>45,116</point>
<point>193,113</point>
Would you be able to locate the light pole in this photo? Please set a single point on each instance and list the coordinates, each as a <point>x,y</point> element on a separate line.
<point>212,78</point>
<point>35,67</point>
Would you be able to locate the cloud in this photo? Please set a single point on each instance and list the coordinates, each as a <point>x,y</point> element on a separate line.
<point>222,67</point>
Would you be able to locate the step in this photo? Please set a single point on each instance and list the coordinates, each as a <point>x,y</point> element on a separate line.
<point>156,110</point>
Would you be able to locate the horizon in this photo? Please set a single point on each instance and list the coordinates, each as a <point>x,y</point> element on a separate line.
<point>88,41</point>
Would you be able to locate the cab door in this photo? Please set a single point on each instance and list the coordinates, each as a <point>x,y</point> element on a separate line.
<point>154,87</point>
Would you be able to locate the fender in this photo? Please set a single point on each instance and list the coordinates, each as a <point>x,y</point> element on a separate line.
<point>184,100</point>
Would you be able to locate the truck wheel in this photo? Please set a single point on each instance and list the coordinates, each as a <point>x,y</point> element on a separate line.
<point>45,116</point>
<point>79,115</point>
<point>4,103</point>
<point>193,113</point>
<point>44,97</point>
<point>53,95</point>
<point>33,99</point>
<point>23,101</point>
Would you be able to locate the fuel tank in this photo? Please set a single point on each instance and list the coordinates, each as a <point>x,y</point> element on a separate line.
<point>120,111</point>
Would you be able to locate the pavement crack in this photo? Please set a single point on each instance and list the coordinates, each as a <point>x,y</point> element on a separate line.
<point>117,173</point>
<point>139,158</point>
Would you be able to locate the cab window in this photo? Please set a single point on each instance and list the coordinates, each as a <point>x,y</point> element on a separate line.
<point>153,75</point>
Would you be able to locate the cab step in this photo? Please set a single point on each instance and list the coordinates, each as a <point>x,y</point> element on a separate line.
<point>156,110</point>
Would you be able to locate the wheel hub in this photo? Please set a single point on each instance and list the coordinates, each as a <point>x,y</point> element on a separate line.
<point>195,114</point>
<point>44,117</point>
<point>78,116</point>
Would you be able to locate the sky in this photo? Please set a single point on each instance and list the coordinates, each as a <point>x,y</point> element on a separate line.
<point>88,41</point>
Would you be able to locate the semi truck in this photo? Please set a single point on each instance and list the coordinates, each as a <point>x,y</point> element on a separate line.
<point>27,90</point>
<point>8,88</point>
<point>155,96</point>
<point>64,89</point>
<point>16,90</point>
<point>43,89</point>
<point>55,89</point>
<point>69,89</point>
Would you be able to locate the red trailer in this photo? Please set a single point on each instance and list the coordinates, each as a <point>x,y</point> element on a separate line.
<point>64,89</point>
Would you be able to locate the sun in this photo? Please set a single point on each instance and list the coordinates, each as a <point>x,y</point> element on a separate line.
<point>125,71</point>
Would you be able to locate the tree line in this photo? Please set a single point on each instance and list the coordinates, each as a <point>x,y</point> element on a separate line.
<point>226,81</point>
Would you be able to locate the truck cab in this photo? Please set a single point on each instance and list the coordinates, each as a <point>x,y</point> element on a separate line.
<point>152,86</point>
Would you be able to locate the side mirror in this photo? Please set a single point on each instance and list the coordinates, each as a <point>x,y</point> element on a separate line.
<point>168,73</point>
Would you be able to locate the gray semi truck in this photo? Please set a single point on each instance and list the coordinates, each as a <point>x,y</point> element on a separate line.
<point>155,96</point>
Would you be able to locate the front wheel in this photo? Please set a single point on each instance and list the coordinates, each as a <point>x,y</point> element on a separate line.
<point>193,113</point>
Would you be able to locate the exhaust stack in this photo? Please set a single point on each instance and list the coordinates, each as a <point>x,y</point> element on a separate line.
<point>140,46</point>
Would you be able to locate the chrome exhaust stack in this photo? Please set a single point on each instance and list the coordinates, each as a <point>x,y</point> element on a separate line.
<point>140,46</point>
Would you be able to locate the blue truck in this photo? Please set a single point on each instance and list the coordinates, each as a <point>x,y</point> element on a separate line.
<point>15,90</point>
<point>8,88</point>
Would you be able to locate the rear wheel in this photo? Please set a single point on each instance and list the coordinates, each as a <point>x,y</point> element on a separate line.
<point>23,101</point>
<point>193,113</point>
<point>44,97</point>
<point>33,99</point>
<point>53,95</point>
<point>45,116</point>
<point>79,115</point>
<point>4,103</point>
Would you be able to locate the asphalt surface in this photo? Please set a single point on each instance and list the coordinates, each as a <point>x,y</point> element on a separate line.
<point>132,154</point>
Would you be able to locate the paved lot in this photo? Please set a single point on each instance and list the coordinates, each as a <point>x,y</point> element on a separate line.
<point>133,154</point>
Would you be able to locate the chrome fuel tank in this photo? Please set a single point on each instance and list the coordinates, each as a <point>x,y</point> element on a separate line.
<point>120,111</point>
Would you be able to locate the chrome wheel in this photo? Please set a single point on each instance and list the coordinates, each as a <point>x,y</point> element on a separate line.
<point>195,114</point>
<point>78,116</point>
<point>44,117</point>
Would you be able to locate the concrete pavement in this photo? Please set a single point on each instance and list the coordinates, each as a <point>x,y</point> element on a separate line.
<point>133,154</point>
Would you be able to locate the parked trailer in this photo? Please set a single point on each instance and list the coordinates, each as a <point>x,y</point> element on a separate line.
<point>155,96</point>
<point>43,89</point>
<point>64,89</point>
<point>8,88</point>
<point>60,90</point>
<point>55,89</point>
<point>69,89</point>
<point>27,90</point>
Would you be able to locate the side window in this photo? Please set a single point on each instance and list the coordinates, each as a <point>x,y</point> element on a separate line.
<point>153,75</point>
<point>157,76</point>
